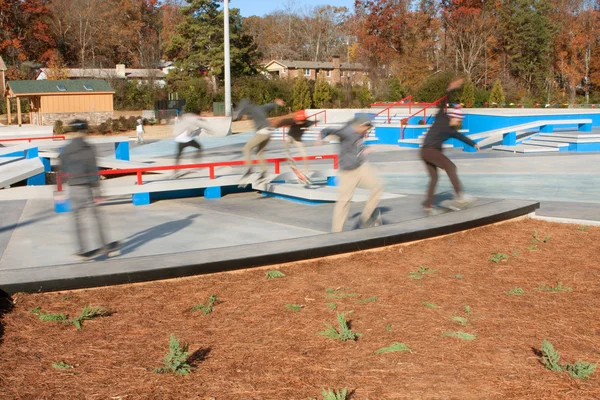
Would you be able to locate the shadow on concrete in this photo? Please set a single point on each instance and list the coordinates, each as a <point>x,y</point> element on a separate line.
<point>6,305</point>
<point>156,232</point>
<point>23,223</point>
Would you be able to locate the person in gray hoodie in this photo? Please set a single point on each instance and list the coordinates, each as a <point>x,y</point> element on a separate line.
<point>263,129</point>
<point>354,171</point>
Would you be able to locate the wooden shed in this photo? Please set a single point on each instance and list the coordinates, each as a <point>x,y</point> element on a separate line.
<point>65,100</point>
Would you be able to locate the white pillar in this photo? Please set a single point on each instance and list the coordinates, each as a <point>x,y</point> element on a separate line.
<point>227,60</point>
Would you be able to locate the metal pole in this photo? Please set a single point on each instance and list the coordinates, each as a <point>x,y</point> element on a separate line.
<point>227,60</point>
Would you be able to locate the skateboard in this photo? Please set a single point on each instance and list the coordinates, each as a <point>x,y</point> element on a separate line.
<point>302,178</point>
<point>110,250</point>
<point>245,181</point>
<point>452,205</point>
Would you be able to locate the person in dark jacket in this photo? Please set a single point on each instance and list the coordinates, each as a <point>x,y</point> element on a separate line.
<point>297,126</point>
<point>263,129</point>
<point>443,128</point>
<point>79,168</point>
<point>354,171</point>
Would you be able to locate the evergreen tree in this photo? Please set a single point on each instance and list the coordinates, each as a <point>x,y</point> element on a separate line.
<point>322,94</point>
<point>396,91</point>
<point>497,95</point>
<point>365,97</point>
<point>467,95</point>
<point>302,96</point>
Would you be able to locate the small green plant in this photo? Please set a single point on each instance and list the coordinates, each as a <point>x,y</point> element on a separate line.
<point>369,299</point>
<point>388,327</point>
<point>538,239</point>
<point>337,294</point>
<point>394,348</point>
<point>551,360</point>
<point>332,306</point>
<point>421,272</point>
<point>208,308</point>
<point>533,247</point>
<point>498,257</point>
<point>66,298</point>
<point>515,253</point>
<point>61,365</point>
<point>175,361</point>
<point>467,310</point>
<point>344,333</point>
<point>558,288</point>
<point>49,317</point>
<point>59,127</point>
<point>583,228</point>
<point>550,357</point>
<point>461,335</point>
<point>275,274</point>
<point>429,305</point>
<point>88,313</point>
<point>516,291</point>
<point>294,307</point>
<point>458,276</point>
<point>460,320</point>
<point>333,394</point>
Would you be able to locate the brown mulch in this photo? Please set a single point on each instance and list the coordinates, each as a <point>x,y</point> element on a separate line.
<point>251,347</point>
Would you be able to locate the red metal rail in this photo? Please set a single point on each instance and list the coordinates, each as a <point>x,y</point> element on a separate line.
<point>210,166</point>
<point>399,102</point>
<point>324,112</point>
<point>424,111</point>
<point>29,139</point>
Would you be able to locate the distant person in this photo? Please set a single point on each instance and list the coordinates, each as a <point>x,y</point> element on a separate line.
<point>354,171</point>
<point>297,126</point>
<point>140,131</point>
<point>443,128</point>
<point>263,129</point>
<point>78,162</point>
<point>186,129</point>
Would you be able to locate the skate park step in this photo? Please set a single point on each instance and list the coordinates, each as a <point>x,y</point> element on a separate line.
<point>523,148</point>
<point>7,150</point>
<point>544,143</point>
<point>20,170</point>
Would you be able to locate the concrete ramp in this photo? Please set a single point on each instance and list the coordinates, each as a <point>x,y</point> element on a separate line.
<point>219,127</point>
<point>14,131</point>
<point>7,150</point>
<point>113,163</point>
<point>18,171</point>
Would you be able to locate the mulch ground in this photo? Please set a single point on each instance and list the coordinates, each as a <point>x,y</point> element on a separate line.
<point>252,347</point>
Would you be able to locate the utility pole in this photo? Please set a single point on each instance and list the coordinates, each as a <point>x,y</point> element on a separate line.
<point>227,60</point>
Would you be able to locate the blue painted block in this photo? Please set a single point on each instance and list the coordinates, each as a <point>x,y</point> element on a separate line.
<point>37,180</point>
<point>332,181</point>
<point>46,162</point>
<point>32,153</point>
<point>586,147</point>
<point>387,134</point>
<point>585,127</point>
<point>509,139</point>
<point>122,151</point>
<point>141,199</point>
<point>213,192</point>
<point>469,149</point>
<point>62,205</point>
<point>16,154</point>
<point>547,128</point>
<point>410,145</point>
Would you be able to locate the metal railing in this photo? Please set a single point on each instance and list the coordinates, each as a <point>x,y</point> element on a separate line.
<point>324,112</point>
<point>211,166</point>
<point>404,121</point>
<point>29,139</point>
<point>397,103</point>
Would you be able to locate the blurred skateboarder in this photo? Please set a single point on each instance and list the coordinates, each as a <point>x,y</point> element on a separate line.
<point>78,163</point>
<point>354,171</point>
<point>297,126</point>
<point>185,130</point>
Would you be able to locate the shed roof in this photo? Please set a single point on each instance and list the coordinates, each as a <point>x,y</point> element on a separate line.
<point>50,86</point>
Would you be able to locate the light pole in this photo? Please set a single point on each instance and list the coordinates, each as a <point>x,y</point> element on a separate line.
<point>227,60</point>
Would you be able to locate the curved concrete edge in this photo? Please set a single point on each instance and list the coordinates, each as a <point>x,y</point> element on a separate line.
<point>167,266</point>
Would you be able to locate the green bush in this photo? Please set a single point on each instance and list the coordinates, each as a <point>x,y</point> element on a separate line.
<point>132,122</point>
<point>434,86</point>
<point>123,124</point>
<point>103,128</point>
<point>59,127</point>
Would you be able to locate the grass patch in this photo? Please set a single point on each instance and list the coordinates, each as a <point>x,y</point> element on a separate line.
<point>88,313</point>
<point>583,228</point>
<point>275,274</point>
<point>337,294</point>
<point>49,317</point>
<point>516,291</point>
<point>421,272</point>
<point>343,334</point>
<point>460,320</point>
<point>515,253</point>
<point>332,306</point>
<point>558,288</point>
<point>388,327</point>
<point>369,299</point>
<point>66,298</point>
<point>551,360</point>
<point>208,308</point>
<point>429,305</point>
<point>396,347</point>
<point>533,247</point>
<point>538,239</point>
<point>333,394</point>
<point>461,335</point>
<point>294,307</point>
<point>61,365</point>
<point>175,361</point>
<point>498,257</point>
<point>467,310</point>
<point>458,276</point>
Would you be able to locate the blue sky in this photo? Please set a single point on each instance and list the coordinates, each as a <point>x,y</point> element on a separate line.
<point>262,7</point>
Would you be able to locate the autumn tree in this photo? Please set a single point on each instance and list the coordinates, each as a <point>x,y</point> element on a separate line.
<point>301,94</point>
<point>57,70</point>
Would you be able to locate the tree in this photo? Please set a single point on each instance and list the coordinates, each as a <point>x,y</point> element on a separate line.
<point>322,94</point>
<point>497,95</point>
<point>467,95</point>
<point>301,94</point>
<point>57,69</point>
<point>365,97</point>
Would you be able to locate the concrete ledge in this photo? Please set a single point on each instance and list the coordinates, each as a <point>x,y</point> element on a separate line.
<point>119,271</point>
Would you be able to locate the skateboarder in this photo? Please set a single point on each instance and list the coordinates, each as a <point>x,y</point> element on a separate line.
<point>443,128</point>
<point>355,171</point>
<point>78,163</point>
<point>263,129</point>
<point>297,126</point>
<point>186,128</point>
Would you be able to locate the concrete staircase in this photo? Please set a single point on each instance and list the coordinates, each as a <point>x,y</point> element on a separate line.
<point>555,142</point>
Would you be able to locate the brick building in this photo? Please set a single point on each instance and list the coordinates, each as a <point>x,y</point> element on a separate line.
<point>335,71</point>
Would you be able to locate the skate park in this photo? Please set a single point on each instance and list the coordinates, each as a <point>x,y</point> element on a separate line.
<point>203,222</point>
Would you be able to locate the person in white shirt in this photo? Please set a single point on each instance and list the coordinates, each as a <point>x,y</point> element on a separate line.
<point>140,132</point>
<point>186,128</point>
